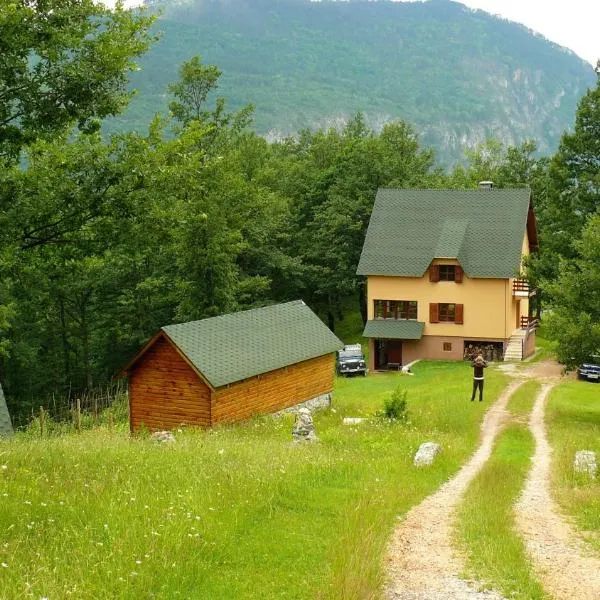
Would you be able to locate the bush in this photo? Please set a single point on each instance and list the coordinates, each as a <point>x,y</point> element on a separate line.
<point>395,407</point>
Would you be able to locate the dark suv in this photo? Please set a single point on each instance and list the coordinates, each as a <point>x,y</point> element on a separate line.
<point>589,372</point>
<point>351,360</point>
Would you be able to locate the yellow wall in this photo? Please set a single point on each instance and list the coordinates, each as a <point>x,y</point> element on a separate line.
<point>490,310</point>
<point>488,303</point>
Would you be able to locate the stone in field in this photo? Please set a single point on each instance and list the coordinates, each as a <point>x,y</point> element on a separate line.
<point>163,437</point>
<point>585,462</point>
<point>353,420</point>
<point>304,428</point>
<point>426,453</point>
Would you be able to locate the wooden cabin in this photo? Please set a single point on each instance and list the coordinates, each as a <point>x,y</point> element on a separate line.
<point>229,368</point>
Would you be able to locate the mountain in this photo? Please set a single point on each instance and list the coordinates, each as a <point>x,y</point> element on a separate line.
<point>458,75</point>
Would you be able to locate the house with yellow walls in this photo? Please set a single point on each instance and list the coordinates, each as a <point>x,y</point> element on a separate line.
<point>444,275</point>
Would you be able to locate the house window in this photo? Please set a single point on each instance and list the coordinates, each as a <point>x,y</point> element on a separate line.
<point>446,313</point>
<point>447,347</point>
<point>447,272</point>
<point>395,309</point>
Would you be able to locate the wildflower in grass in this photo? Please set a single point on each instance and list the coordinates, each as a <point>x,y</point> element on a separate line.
<point>4,565</point>
<point>4,467</point>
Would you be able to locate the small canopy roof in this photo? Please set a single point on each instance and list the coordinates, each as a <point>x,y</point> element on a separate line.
<point>392,329</point>
<point>240,345</point>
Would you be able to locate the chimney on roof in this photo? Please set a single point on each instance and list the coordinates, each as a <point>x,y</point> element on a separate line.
<point>486,185</point>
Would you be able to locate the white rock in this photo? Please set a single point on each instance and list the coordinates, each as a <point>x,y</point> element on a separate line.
<point>426,453</point>
<point>585,462</point>
<point>163,437</point>
<point>353,420</point>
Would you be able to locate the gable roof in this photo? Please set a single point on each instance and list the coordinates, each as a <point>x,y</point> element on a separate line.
<point>483,229</point>
<point>5,424</point>
<point>236,346</point>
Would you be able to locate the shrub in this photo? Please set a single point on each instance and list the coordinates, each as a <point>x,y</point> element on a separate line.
<point>395,407</point>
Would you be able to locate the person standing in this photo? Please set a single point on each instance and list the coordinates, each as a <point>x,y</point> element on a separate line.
<point>479,365</point>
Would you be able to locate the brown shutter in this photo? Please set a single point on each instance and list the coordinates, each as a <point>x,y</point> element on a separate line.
<point>459,314</point>
<point>433,313</point>
<point>458,274</point>
<point>434,273</point>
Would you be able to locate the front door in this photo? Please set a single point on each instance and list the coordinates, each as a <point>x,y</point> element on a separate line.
<point>518,323</point>
<point>394,352</point>
<point>380,355</point>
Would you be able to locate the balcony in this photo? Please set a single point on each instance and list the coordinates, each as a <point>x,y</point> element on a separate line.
<point>522,289</point>
<point>529,323</point>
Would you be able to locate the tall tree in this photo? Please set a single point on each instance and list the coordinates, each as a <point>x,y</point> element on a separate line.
<point>63,62</point>
<point>574,321</point>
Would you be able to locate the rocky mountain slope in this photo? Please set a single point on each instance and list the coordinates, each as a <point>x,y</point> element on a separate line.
<point>458,75</point>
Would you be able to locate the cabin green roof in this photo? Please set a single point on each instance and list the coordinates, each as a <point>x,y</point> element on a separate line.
<point>236,346</point>
<point>5,423</point>
<point>394,329</point>
<point>483,229</point>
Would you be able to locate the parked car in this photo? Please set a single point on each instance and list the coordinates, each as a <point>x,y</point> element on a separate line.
<point>589,372</point>
<point>351,360</point>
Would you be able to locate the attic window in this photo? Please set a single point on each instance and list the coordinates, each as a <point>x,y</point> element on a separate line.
<point>447,272</point>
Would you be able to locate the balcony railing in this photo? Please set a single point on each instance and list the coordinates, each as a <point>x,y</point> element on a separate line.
<point>522,289</point>
<point>529,323</point>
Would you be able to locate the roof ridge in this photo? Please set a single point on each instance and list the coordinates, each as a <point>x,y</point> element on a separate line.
<point>238,312</point>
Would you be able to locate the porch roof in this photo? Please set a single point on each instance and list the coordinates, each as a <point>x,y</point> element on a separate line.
<point>394,329</point>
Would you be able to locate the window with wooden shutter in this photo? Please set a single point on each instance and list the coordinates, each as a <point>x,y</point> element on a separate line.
<point>434,273</point>
<point>433,313</point>
<point>459,314</point>
<point>458,274</point>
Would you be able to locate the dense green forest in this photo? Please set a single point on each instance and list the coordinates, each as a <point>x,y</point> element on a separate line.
<point>458,75</point>
<point>103,241</point>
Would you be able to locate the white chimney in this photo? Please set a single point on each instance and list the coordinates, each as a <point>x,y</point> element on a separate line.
<point>486,185</point>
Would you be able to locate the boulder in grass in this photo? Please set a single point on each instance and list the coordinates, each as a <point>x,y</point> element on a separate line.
<point>304,428</point>
<point>163,437</point>
<point>585,462</point>
<point>353,420</point>
<point>426,454</point>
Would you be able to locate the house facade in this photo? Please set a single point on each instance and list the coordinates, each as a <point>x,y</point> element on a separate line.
<point>443,272</point>
<point>229,368</point>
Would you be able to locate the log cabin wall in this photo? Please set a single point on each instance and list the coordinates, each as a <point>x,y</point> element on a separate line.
<point>164,391</point>
<point>274,391</point>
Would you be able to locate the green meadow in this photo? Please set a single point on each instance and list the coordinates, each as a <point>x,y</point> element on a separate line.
<point>573,423</point>
<point>235,512</point>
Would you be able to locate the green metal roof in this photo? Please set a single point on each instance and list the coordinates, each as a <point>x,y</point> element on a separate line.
<point>483,229</point>
<point>244,344</point>
<point>392,329</point>
<point>5,424</point>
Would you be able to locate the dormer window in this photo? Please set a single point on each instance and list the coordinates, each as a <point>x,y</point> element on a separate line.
<point>446,273</point>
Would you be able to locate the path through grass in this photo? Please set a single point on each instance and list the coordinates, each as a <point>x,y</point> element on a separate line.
<point>485,525</point>
<point>235,512</point>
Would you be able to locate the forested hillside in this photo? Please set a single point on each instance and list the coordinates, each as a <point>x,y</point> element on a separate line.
<point>457,75</point>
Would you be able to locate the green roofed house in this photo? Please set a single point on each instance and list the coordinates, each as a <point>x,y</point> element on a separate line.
<point>5,423</point>
<point>231,367</point>
<point>443,272</point>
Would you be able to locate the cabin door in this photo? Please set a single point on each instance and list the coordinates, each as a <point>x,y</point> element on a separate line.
<point>518,323</point>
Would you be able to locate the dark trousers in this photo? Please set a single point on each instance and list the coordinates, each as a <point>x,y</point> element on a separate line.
<point>477,383</point>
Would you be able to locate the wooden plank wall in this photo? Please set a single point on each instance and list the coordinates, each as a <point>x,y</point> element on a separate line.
<point>274,391</point>
<point>164,391</point>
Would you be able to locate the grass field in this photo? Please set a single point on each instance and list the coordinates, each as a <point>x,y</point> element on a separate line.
<point>235,512</point>
<point>573,423</point>
<point>485,525</point>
